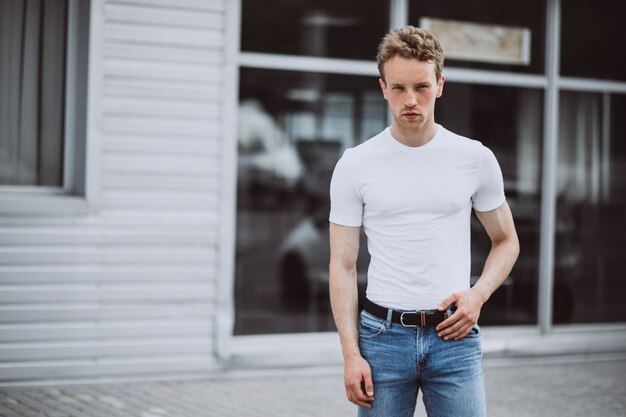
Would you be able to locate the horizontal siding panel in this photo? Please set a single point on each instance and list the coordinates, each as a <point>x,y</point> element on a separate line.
<point>188,165</point>
<point>108,367</point>
<point>138,14</point>
<point>207,5</point>
<point>209,217</point>
<point>21,333</point>
<point>50,274</point>
<point>164,35</point>
<point>156,236</point>
<point>199,147</point>
<point>178,109</point>
<point>44,313</point>
<point>162,89</point>
<point>184,73</point>
<point>164,53</point>
<point>64,293</point>
<point>100,255</point>
<point>153,126</point>
<point>164,182</point>
<point>148,200</point>
<point>46,351</point>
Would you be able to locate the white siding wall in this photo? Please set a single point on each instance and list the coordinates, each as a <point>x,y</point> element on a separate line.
<point>131,287</point>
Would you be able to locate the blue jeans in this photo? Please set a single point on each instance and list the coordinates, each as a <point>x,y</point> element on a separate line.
<point>405,359</point>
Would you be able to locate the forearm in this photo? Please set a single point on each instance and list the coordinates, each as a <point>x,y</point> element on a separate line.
<point>344,303</point>
<point>498,265</point>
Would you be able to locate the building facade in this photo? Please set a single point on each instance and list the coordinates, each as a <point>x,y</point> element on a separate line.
<point>164,168</point>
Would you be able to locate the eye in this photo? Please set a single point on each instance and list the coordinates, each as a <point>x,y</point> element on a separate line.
<point>397,88</point>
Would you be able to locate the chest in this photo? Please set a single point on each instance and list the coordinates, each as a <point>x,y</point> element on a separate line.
<point>419,186</point>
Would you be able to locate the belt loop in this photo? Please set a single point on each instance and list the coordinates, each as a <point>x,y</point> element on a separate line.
<point>389,317</point>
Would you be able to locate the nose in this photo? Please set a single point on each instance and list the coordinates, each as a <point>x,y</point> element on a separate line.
<point>411,100</point>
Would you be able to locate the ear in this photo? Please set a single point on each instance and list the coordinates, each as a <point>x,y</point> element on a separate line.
<point>383,87</point>
<point>440,85</point>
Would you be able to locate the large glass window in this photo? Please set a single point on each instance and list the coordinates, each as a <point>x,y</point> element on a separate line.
<point>293,127</point>
<point>488,21</point>
<point>509,121</point>
<point>326,28</point>
<point>591,209</point>
<point>593,38</point>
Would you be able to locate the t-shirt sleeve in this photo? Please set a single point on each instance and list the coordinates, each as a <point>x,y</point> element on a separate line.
<point>346,206</point>
<point>489,193</point>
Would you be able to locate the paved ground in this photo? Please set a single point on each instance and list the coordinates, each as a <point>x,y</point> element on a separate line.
<point>553,387</point>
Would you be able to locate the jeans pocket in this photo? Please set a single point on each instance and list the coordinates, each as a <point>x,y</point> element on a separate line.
<point>370,326</point>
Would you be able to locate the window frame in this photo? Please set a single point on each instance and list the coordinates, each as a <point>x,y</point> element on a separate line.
<point>255,348</point>
<point>70,197</point>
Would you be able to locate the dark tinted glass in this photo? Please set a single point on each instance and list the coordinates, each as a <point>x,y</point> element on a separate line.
<point>591,209</point>
<point>593,39</point>
<point>293,126</point>
<point>514,13</point>
<point>325,28</point>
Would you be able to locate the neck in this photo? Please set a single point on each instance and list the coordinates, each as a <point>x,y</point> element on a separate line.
<point>418,136</point>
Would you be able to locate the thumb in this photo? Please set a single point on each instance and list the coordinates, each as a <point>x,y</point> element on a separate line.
<point>447,302</point>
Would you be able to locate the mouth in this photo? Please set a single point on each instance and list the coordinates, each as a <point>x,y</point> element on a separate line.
<point>410,115</point>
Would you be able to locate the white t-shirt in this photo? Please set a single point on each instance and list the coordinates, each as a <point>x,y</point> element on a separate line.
<point>415,205</point>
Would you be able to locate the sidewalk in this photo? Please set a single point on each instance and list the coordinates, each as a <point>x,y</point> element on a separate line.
<point>591,385</point>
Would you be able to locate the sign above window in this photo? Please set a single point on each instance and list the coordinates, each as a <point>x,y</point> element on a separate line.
<point>468,41</point>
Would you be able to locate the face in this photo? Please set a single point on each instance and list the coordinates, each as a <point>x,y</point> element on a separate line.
<point>411,88</point>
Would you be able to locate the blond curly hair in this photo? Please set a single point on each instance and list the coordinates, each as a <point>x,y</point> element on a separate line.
<point>410,42</point>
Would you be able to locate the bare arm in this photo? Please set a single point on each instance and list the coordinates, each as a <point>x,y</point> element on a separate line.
<point>499,226</point>
<point>344,250</point>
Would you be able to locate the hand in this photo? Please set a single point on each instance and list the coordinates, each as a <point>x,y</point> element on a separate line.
<point>460,323</point>
<point>358,381</point>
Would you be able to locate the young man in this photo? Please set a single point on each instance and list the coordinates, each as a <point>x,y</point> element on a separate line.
<point>412,188</point>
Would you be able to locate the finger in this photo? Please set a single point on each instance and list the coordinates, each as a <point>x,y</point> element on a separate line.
<point>356,392</point>
<point>460,334</point>
<point>447,332</point>
<point>449,321</point>
<point>357,397</point>
<point>447,302</point>
<point>368,384</point>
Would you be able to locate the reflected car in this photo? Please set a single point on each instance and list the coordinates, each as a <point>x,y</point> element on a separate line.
<point>303,264</point>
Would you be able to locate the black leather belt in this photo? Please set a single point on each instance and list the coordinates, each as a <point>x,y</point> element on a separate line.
<point>424,318</point>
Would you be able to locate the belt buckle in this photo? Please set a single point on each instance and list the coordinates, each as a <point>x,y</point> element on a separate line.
<point>422,315</point>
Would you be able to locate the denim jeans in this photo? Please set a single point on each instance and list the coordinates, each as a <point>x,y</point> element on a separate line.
<point>405,359</point>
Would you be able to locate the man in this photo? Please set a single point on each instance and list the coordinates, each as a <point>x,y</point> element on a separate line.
<point>412,188</point>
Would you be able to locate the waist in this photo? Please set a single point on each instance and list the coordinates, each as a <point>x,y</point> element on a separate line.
<point>410,318</point>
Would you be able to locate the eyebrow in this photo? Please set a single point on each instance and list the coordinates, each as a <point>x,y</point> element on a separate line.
<point>419,84</point>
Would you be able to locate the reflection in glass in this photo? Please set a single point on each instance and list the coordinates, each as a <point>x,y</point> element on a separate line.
<point>293,127</point>
<point>592,206</point>
<point>511,13</point>
<point>509,122</point>
<point>298,124</point>
<point>326,28</point>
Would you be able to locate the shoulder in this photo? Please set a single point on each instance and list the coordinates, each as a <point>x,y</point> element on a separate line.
<point>463,142</point>
<point>467,146</point>
<point>365,151</point>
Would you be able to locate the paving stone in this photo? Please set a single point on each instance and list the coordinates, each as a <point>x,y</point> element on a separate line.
<point>520,389</point>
